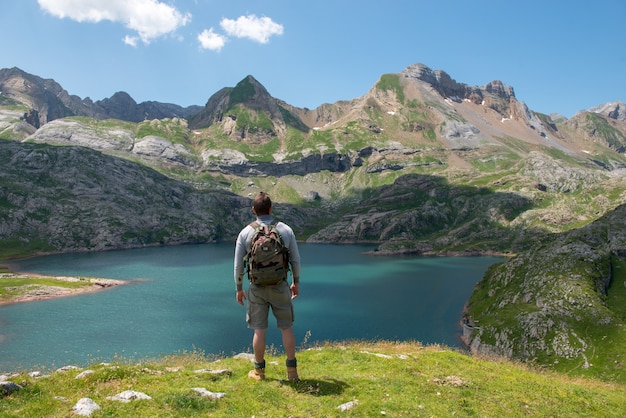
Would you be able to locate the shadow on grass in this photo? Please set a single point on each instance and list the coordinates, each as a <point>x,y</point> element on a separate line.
<point>319,387</point>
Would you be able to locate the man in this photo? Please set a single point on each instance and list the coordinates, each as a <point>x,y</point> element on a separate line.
<point>261,297</point>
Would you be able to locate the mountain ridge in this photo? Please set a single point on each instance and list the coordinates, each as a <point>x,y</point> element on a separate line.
<point>443,82</point>
<point>49,101</point>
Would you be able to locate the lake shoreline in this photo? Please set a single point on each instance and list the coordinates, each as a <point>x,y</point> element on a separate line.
<point>36,292</point>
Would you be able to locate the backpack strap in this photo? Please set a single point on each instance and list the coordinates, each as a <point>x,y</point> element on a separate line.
<point>257,226</point>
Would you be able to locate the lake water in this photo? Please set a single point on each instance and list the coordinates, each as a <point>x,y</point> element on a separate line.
<point>183,299</point>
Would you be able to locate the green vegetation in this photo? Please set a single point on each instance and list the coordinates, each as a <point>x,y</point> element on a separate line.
<point>391,82</point>
<point>10,104</point>
<point>377,379</point>
<point>616,292</point>
<point>243,92</point>
<point>495,162</point>
<point>254,122</point>
<point>581,332</point>
<point>599,126</point>
<point>293,121</point>
<point>103,125</point>
<point>516,144</point>
<point>294,143</point>
<point>562,156</point>
<point>174,130</point>
<point>23,247</point>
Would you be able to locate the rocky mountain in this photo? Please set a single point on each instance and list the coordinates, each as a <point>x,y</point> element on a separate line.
<point>613,110</point>
<point>46,101</point>
<point>59,199</point>
<point>603,125</point>
<point>556,301</point>
<point>420,164</point>
<point>246,112</point>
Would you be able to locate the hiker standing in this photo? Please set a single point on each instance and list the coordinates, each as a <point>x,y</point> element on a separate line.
<point>269,286</point>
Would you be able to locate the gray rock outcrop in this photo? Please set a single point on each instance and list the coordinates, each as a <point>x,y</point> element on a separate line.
<point>449,88</point>
<point>614,110</point>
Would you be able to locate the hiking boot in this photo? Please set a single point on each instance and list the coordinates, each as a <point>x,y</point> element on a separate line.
<point>257,374</point>
<point>292,374</point>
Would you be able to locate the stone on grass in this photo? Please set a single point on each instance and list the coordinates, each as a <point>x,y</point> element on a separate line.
<point>7,388</point>
<point>348,405</point>
<point>246,356</point>
<point>209,394</point>
<point>85,407</point>
<point>67,368</point>
<point>129,395</point>
<point>84,374</point>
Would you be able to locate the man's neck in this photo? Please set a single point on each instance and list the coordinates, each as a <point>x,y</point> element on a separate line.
<point>266,219</point>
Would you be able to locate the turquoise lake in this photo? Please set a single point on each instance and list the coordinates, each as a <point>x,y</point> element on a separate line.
<point>183,299</point>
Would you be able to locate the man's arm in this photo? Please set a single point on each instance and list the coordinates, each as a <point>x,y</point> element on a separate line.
<point>294,253</point>
<point>241,250</point>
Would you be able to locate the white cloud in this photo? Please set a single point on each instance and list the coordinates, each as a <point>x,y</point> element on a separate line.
<point>211,40</point>
<point>149,18</point>
<point>131,40</point>
<point>252,27</point>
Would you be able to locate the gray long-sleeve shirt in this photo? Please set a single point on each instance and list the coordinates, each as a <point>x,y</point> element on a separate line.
<point>244,241</point>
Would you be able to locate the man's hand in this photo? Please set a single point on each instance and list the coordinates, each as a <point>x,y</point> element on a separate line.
<point>241,296</point>
<point>295,290</point>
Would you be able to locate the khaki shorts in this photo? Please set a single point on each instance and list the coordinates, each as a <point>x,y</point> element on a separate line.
<point>262,298</point>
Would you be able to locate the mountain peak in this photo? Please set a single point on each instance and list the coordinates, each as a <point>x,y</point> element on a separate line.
<point>614,110</point>
<point>251,93</point>
<point>447,87</point>
<point>251,112</point>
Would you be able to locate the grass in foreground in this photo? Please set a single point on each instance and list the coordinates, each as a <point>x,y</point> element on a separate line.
<point>381,379</point>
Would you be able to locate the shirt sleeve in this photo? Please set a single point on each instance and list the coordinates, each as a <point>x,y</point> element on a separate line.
<point>289,239</point>
<point>241,249</point>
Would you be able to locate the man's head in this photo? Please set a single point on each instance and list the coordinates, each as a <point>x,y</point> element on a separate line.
<point>262,204</point>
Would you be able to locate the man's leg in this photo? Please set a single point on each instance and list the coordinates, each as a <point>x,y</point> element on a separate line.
<point>257,311</point>
<point>258,345</point>
<point>289,343</point>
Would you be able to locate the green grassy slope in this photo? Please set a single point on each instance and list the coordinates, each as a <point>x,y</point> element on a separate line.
<point>365,379</point>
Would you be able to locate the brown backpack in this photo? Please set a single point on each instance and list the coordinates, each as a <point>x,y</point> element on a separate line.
<point>268,259</point>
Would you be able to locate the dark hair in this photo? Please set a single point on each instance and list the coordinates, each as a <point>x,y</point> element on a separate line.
<point>262,204</point>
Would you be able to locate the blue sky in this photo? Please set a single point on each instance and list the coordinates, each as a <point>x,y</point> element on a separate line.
<point>559,56</point>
